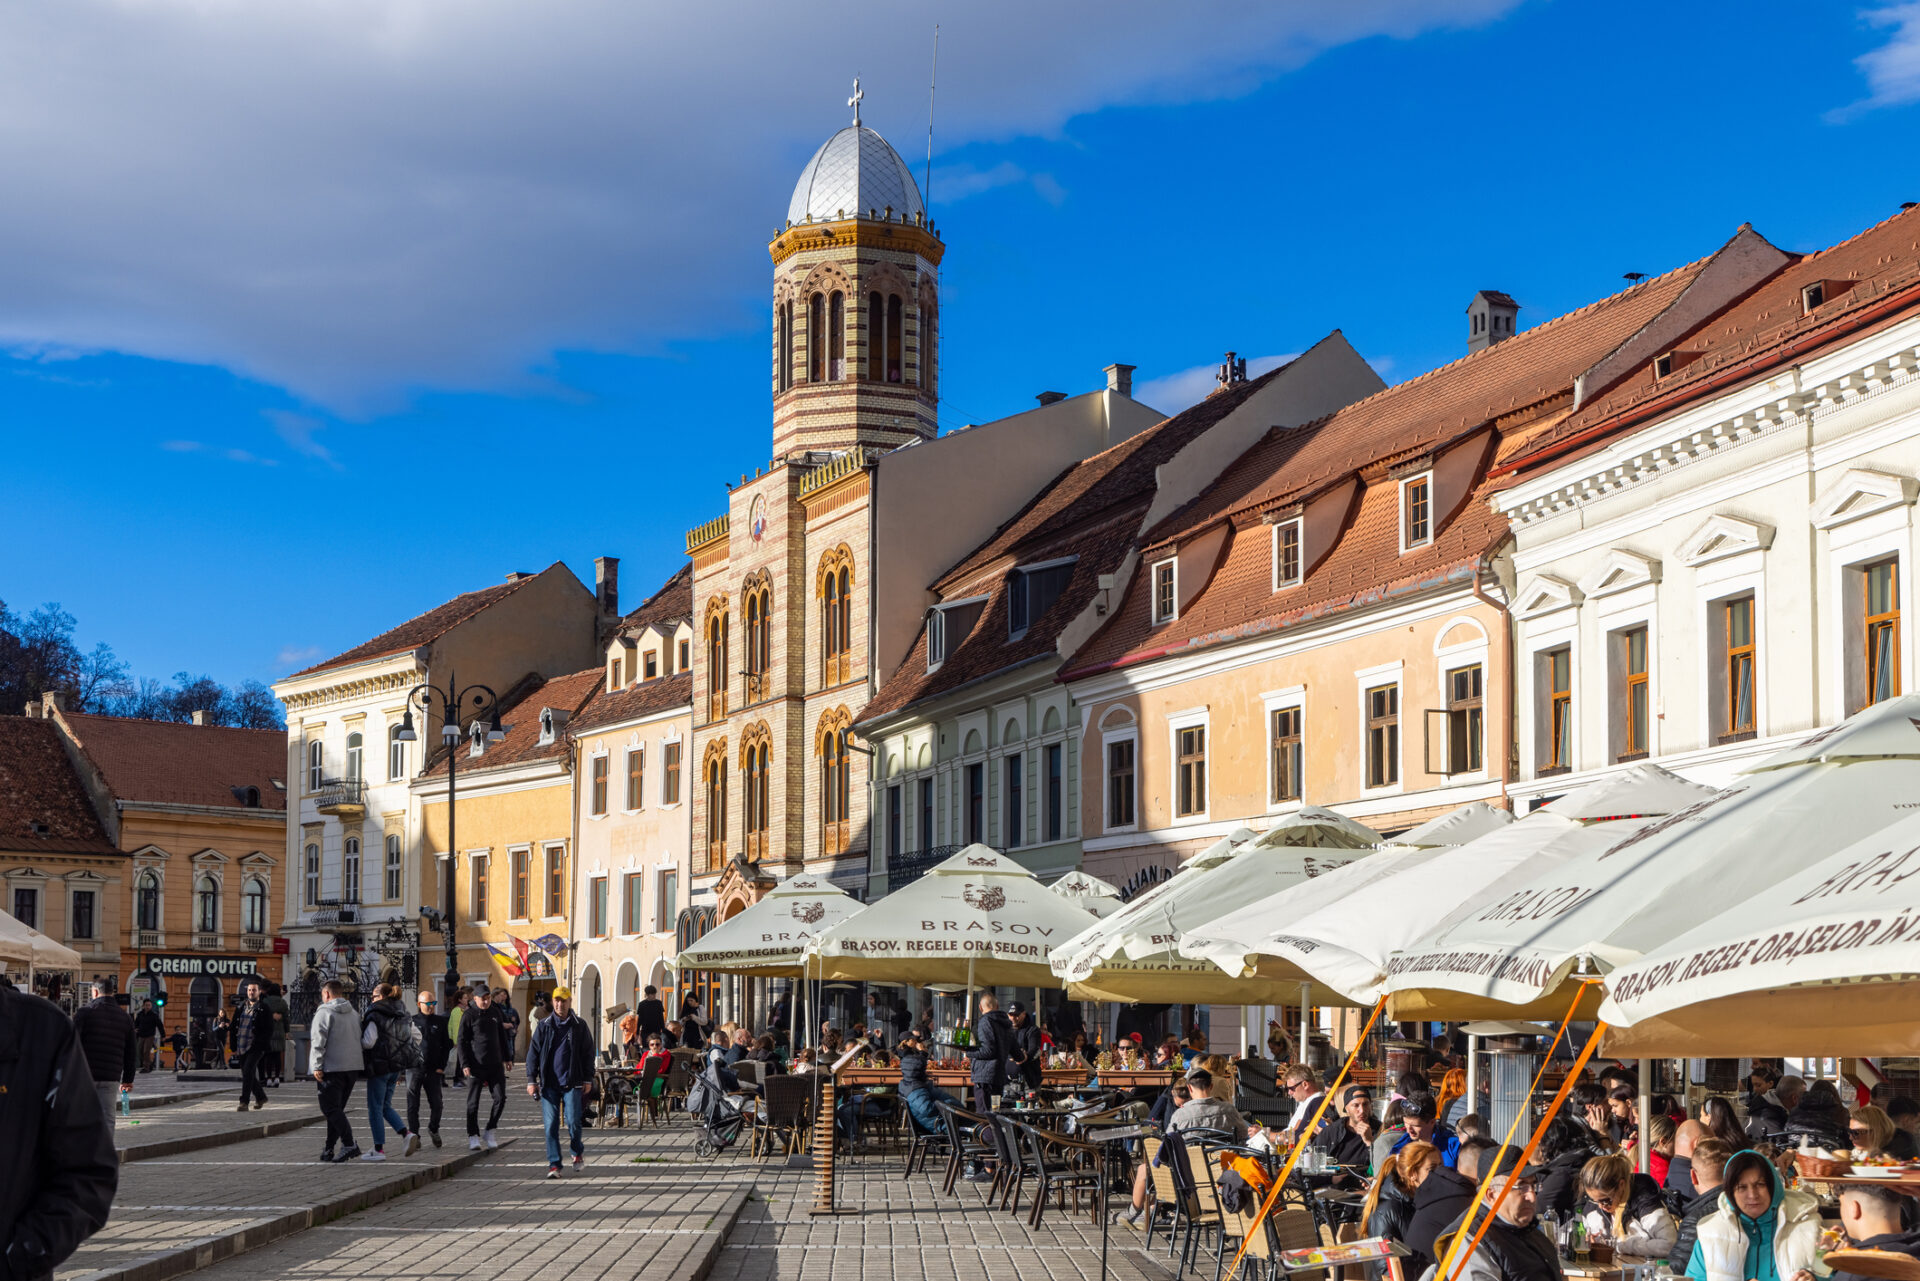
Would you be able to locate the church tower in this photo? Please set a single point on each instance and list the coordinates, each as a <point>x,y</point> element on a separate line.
<point>855,302</point>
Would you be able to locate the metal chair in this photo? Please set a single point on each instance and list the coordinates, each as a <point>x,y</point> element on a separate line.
<point>1060,1163</point>
<point>782,1112</point>
<point>1016,1163</point>
<point>968,1139</point>
<point>922,1141</point>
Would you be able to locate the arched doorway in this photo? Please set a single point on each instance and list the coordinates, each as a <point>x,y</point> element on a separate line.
<point>587,1001</point>
<point>203,1009</point>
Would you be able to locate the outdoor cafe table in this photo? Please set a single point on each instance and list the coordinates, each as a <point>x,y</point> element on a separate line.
<point>1105,1137</point>
<point>1137,1078</point>
<point>1905,1181</point>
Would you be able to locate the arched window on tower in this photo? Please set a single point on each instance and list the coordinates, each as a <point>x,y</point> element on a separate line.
<point>783,371</point>
<point>894,342</point>
<point>836,336</point>
<point>717,809</point>
<point>817,339</point>
<point>836,616</point>
<point>717,666</point>
<point>834,791</point>
<point>759,797</point>
<point>759,641</point>
<point>877,337</point>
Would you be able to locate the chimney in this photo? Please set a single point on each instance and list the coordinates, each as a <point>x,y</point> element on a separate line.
<point>1120,379</point>
<point>1491,317</point>
<point>54,700</point>
<point>200,716</point>
<point>1050,397</point>
<point>606,583</point>
<point>516,575</point>
<point>1232,370</point>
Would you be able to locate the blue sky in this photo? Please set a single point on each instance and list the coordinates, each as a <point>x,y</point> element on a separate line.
<point>315,317</point>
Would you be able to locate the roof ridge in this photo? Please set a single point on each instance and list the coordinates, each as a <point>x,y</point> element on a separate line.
<point>149,720</point>
<point>1862,234</point>
<point>505,590</point>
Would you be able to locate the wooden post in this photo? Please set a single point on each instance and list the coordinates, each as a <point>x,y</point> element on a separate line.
<point>823,1149</point>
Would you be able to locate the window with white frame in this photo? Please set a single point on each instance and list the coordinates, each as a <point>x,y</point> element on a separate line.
<point>396,755</point>
<point>948,625</point>
<point>253,906</point>
<point>669,899</point>
<point>1166,591</point>
<point>1382,707</point>
<point>1416,511</point>
<point>598,791</point>
<point>311,875</point>
<point>1189,766</point>
<point>316,764</point>
<point>633,886</point>
<point>1466,719</point>
<point>1287,745</point>
<point>82,916</point>
<point>390,871</point>
<point>636,777</point>
<point>356,752</point>
<point>350,870</point>
<point>1031,592</point>
<point>1122,767</point>
<point>206,904</point>
<point>1286,554</point>
<point>597,907</point>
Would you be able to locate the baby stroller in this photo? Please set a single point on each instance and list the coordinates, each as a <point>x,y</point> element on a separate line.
<point>721,1118</point>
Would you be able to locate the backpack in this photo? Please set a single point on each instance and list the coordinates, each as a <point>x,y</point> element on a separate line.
<point>398,1041</point>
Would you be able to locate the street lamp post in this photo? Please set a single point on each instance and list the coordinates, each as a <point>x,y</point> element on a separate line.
<point>450,706</point>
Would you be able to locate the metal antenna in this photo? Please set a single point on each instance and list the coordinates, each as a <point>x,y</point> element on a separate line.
<point>933,82</point>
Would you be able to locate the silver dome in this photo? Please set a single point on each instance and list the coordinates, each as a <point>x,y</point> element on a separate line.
<point>856,170</point>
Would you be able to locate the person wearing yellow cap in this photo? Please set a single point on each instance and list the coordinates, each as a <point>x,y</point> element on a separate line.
<point>559,1069</point>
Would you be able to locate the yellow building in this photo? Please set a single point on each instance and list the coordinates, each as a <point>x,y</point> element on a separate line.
<point>512,836</point>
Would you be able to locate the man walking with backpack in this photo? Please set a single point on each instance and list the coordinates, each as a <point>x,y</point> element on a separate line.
<point>559,1069</point>
<point>392,1044</point>
<point>483,1052</point>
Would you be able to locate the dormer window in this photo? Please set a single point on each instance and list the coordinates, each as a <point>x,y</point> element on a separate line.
<point>1166,597</point>
<point>614,673</point>
<point>477,739</point>
<point>686,655</point>
<point>550,723</point>
<point>1031,592</point>
<point>1663,365</point>
<point>948,625</point>
<point>1286,554</point>
<point>1416,511</point>
<point>653,664</point>
<point>1813,295</point>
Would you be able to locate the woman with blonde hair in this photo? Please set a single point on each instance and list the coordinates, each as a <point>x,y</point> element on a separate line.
<point>1871,1129</point>
<point>1625,1210</point>
<point>1389,1205</point>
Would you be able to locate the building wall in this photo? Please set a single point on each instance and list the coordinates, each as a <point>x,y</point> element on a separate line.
<point>1233,691</point>
<point>55,878</point>
<point>1814,475</point>
<point>179,848</point>
<point>530,811</point>
<point>648,842</point>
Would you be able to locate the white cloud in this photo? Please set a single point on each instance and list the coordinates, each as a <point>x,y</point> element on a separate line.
<point>358,198</point>
<point>297,431</point>
<point>1892,70</point>
<point>294,657</point>
<point>1171,393</point>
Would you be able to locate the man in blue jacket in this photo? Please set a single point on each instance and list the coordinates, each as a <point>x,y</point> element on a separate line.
<point>559,1069</point>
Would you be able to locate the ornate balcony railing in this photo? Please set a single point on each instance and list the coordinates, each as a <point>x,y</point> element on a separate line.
<point>344,796</point>
<point>909,866</point>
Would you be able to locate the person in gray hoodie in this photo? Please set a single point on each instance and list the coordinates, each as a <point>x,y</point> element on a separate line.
<point>335,1061</point>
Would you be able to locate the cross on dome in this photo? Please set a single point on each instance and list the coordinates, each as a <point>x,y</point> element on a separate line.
<point>854,101</point>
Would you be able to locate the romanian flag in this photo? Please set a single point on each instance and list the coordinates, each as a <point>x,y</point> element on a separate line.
<point>507,959</point>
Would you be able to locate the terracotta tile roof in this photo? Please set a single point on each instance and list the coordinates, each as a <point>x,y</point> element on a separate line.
<point>642,698</point>
<point>426,627</point>
<point>1091,511</point>
<point>521,716</point>
<point>671,605</point>
<point>1878,272</point>
<point>182,764</point>
<point>40,790</point>
<point>1365,567</point>
<point>1412,417</point>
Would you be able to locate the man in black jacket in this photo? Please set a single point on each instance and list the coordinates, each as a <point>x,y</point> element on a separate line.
<point>1442,1197</point>
<point>147,1026</point>
<point>559,1070</point>
<point>251,1034</point>
<point>1708,1163</point>
<point>483,1051</point>
<point>1513,1248</point>
<point>1767,1116</point>
<point>652,1015</point>
<point>1028,1056</point>
<point>60,1173</point>
<point>107,1039</point>
<point>429,1076</point>
<point>992,1053</point>
<point>1870,1216</point>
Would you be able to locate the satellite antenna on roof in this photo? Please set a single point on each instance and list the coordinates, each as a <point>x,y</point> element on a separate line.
<point>933,83</point>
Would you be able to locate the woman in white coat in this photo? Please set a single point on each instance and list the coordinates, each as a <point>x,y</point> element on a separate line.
<point>1761,1232</point>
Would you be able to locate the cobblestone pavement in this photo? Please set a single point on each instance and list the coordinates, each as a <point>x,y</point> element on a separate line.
<point>645,1206</point>
<point>206,1118</point>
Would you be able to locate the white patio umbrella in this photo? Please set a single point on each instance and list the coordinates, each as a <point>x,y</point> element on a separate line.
<point>1089,892</point>
<point>769,938</point>
<point>16,943</point>
<point>1457,826</point>
<point>32,949</point>
<point>978,918</point>
<point>1133,955</point>
<point>1318,828</point>
<point>1826,961</point>
<point>1512,953</point>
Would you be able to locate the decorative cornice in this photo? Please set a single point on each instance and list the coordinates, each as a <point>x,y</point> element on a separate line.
<point>850,463</point>
<point>701,535</point>
<point>1785,403</point>
<point>356,689</point>
<point>863,233</point>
